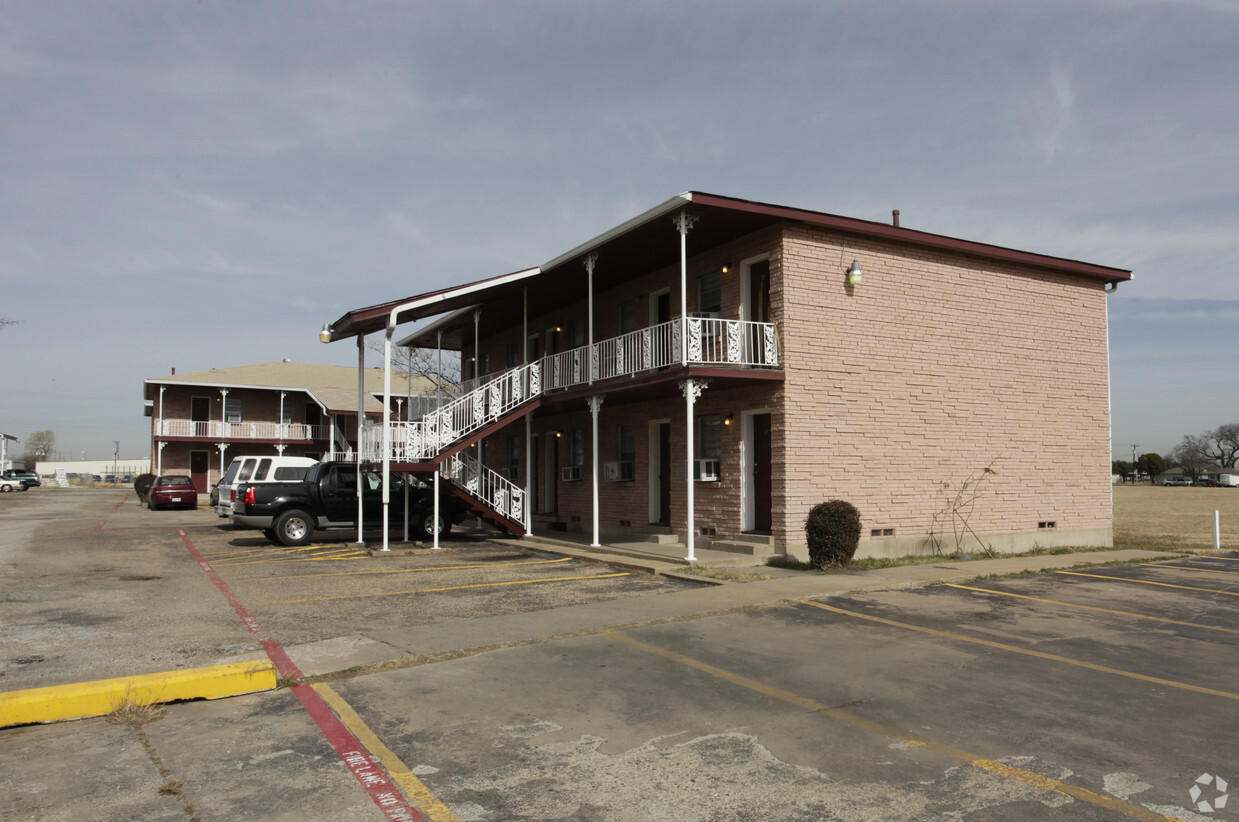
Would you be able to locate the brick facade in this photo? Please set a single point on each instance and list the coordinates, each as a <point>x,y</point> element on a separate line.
<point>947,397</point>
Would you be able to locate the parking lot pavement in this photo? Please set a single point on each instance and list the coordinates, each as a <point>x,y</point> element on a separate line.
<point>1029,699</point>
<point>509,683</point>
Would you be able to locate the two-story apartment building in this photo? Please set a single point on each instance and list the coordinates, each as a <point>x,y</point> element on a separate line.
<point>714,367</point>
<point>201,420</point>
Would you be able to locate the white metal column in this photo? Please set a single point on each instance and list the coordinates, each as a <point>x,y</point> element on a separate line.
<point>595,405</point>
<point>361,415</point>
<point>692,390</point>
<point>683,222</point>
<point>529,474</point>
<point>590,260</point>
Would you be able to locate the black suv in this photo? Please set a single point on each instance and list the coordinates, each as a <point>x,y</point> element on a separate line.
<point>28,478</point>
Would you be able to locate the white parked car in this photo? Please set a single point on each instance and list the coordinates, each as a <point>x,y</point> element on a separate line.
<point>251,470</point>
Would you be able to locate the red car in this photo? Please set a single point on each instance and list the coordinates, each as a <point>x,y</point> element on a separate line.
<point>176,491</point>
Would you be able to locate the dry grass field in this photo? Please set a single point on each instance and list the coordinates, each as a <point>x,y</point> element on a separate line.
<point>1167,519</point>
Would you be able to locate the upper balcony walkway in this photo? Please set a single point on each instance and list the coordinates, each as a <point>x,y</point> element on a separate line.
<point>223,431</point>
<point>700,341</point>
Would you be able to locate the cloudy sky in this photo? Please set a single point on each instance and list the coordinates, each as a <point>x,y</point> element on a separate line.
<point>203,184</point>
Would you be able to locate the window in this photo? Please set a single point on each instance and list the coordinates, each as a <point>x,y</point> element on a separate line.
<point>232,410</point>
<point>260,473</point>
<point>628,316</point>
<point>514,355</point>
<point>709,448</point>
<point>578,448</point>
<point>576,334</point>
<point>286,413</point>
<point>710,294</point>
<point>627,451</point>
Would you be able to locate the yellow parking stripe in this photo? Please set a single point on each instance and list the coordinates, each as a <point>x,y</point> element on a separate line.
<point>410,570</point>
<point>1187,569</point>
<point>1151,582</point>
<point>436,590</point>
<point>1002,646</point>
<point>1006,771</point>
<point>418,793</point>
<point>1092,608</point>
<point>335,555</point>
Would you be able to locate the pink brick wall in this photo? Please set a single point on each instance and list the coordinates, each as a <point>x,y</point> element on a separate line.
<point>897,392</point>
<point>935,367</point>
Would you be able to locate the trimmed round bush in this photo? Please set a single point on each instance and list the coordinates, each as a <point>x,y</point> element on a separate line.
<point>833,533</point>
<point>141,484</point>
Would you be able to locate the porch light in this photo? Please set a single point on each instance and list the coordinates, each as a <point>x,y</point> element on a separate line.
<point>726,267</point>
<point>855,274</point>
<point>727,420</point>
<point>324,336</point>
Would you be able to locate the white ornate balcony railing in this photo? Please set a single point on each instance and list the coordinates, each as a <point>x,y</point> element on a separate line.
<point>215,429</point>
<point>709,341</point>
<point>423,439</point>
<point>497,492</point>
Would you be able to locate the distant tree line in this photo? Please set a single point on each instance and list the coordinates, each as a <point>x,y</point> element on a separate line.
<point>1196,455</point>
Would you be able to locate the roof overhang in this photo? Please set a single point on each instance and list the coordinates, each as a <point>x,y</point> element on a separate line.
<point>649,242</point>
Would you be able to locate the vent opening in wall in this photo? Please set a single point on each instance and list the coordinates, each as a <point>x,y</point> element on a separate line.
<point>1046,525</point>
<point>882,532</point>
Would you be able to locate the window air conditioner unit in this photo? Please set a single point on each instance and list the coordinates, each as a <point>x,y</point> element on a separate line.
<point>706,470</point>
<point>570,473</point>
<point>512,473</point>
<point>618,471</point>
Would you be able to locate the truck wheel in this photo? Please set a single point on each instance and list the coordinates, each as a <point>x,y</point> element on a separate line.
<point>293,528</point>
<point>426,526</point>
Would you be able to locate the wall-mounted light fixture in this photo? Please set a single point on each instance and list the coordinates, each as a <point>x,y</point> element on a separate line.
<point>855,275</point>
<point>559,433</point>
<point>726,267</point>
<point>324,336</point>
<point>727,419</point>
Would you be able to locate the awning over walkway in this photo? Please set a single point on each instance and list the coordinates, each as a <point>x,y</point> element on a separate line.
<point>648,243</point>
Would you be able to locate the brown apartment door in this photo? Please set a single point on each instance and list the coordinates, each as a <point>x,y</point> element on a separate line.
<point>664,474</point>
<point>199,466</point>
<point>200,416</point>
<point>762,484</point>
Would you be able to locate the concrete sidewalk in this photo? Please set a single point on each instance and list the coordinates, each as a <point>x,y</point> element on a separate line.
<point>410,646</point>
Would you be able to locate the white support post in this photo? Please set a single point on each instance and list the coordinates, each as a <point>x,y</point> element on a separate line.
<point>590,260</point>
<point>595,405</point>
<point>477,356</point>
<point>692,390</point>
<point>434,523</point>
<point>529,474</point>
<point>361,416</point>
<point>386,476</point>
<point>1217,531</point>
<point>683,222</point>
<point>223,414</point>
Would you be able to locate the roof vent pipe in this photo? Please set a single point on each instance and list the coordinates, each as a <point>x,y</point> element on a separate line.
<point>895,218</point>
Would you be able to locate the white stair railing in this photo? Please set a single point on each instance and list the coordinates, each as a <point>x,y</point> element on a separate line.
<point>497,492</point>
<point>710,341</point>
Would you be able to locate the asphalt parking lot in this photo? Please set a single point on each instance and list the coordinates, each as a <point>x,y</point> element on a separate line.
<point>523,685</point>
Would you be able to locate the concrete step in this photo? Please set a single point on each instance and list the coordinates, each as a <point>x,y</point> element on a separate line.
<point>754,545</point>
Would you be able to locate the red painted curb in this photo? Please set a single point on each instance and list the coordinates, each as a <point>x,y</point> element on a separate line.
<point>376,781</point>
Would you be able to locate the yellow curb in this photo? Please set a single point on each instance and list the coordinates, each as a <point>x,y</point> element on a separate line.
<point>103,696</point>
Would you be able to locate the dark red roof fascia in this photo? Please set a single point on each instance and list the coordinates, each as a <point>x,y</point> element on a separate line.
<point>899,234</point>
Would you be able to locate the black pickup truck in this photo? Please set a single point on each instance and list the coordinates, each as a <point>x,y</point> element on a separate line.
<point>288,513</point>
